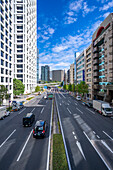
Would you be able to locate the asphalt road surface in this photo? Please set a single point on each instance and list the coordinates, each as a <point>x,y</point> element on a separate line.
<point>18,149</point>
<point>88,135</point>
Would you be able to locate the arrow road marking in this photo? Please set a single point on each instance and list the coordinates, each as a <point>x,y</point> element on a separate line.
<point>80,148</point>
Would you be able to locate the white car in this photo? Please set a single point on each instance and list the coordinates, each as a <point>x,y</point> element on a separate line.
<point>7,113</point>
<point>45,97</point>
<point>78,98</point>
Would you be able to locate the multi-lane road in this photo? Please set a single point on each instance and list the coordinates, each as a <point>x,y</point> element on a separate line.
<point>18,149</point>
<point>88,135</point>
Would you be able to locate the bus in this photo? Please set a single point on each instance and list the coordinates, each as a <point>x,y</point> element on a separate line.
<point>28,119</point>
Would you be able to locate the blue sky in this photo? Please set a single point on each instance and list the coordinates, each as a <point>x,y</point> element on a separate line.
<point>65,27</point>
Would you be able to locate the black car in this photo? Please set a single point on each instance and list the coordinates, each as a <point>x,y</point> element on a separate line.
<point>28,119</point>
<point>40,129</point>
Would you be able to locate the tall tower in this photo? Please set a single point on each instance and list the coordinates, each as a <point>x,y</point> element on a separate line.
<point>25,43</point>
<point>6,59</point>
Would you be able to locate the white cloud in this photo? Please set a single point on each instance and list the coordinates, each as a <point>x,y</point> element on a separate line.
<point>70,20</point>
<point>106,14</point>
<point>107,6</point>
<point>51,30</point>
<point>59,48</point>
<point>76,6</point>
<point>70,13</point>
<point>86,9</point>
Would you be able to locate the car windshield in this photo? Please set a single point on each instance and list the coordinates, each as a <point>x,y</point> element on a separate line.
<point>108,109</point>
<point>25,120</point>
<point>39,128</point>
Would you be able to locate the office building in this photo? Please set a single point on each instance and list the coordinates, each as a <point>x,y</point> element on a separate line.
<point>68,76</point>
<point>102,51</point>
<point>25,43</point>
<point>6,57</point>
<point>37,65</point>
<point>72,73</point>
<point>45,73</point>
<point>88,70</point>
<point>80,68</point>
<point>58,75</point>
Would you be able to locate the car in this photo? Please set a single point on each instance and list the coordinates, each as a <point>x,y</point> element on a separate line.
<point>39,129</point>
<point>89,104</point>
<point>45,97</point>
<point>28,119</point>
<point>78,98</point>
<point>7,113</point>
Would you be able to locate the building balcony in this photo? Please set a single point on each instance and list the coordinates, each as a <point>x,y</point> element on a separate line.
<point>95,62</point>
<point>111,75</point>
<point>96,80</point>
<point>95,49</point>
<point>96,86</point>
<point>95,68</point>
<point>95,56</point>
<point>96,74</point>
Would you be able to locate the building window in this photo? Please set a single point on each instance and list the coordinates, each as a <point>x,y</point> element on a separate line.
<point>6,64</point>
<point>6,72</point>
<point>6,79</point>
<point>2,79</point>
<point>2,62</point>
<point>6,56</point>
<point>2,70</point>
<point>2,36</point>
<point>2,45</point>
<point>2,54</point>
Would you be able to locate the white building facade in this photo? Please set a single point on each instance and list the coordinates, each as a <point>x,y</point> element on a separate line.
<point>25,43</point>
<point>6,59</point>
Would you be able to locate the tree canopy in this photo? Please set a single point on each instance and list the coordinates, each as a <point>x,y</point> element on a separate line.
<point>37,88</point>
<point>3,94</point>
<point>18,87</point>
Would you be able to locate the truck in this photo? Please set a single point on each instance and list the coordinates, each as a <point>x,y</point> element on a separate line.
<point>102,107</point>
<point>17,105</point>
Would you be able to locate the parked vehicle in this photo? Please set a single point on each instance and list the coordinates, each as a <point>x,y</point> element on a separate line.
<point>7,113</point>
<point>102,107</point>
<point>89,104</point>
<point>40,129</point>
<point>78,98</point>
<point>16,105</point>
<point>50,96</point>
<point>2,112</point>
<point>28,119</point>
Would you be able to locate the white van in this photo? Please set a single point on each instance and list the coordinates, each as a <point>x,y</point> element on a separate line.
<point>2,112</point>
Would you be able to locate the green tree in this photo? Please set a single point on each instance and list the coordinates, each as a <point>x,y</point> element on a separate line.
<point>73,87</point>
<point>37,88</point>
<point>70,87</point>
<point>82,88</point>
<point>18,87</point>
<point>65,86</point>
<point>61,83</point>
<point>3,93</point>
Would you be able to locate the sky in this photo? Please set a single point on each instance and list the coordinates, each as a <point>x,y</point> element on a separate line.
<point>65,27</point>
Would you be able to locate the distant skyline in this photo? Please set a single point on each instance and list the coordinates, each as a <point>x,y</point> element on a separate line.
<point>65,27</point>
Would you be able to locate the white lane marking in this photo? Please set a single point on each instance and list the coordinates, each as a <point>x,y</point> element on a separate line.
<point>22,110</point>
<point>105,144</point>
<point>42,110</point>
<point>73,133</point>
<point>24,146</point>
<point>48,156</point>
<point>46,101</point>
<point>63,95</point>
<point>32,110</point>
<point>60,104</point>
<point>90,111</point>
<point>7,138</point>
<point>68,104</point>
<point>75,137</point>
<point>98,136</point>
<point>96,150</point>
<point>108,135</point>
<point>69,101</point>
<point>79,110</point>
<point>80,148</point>
<point>75,103</point>
<point>94,132</point>
<point>67,156</point>
<point>69,111</point>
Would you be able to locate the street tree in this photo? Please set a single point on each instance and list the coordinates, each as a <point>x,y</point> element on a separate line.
<point>18,87</point>
<point>70,87</point>
<point>3,93</point>
<point>82,88</point>
<point>37,88</point>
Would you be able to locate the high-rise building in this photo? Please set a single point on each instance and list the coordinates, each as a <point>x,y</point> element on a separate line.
<point>45,73</point>
<point>80,68</point>
<point>102,49</point>
<point>68,76</point>
<point>6,58</point>
<point>88,70</point>
<point>58,75</point>
<point>37,65</point>
<point>25,39</point>
<point>72,73</point>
